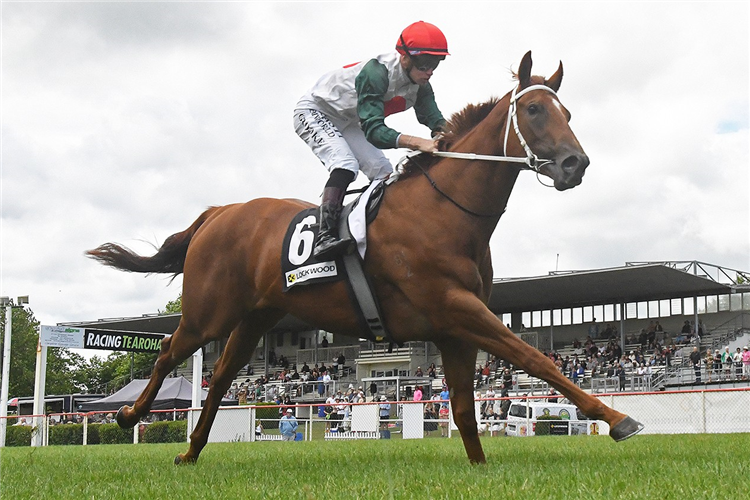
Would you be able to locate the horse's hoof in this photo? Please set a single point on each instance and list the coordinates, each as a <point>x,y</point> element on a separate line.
<point>180,460</point>
<point>627,427</point>
<point>122,420</point>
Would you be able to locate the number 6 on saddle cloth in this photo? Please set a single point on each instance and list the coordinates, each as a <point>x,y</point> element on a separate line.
<point>300,267</point>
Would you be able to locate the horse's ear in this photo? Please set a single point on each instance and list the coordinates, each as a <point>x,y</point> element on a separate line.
<point>555,80</point>
<point>524,71</point>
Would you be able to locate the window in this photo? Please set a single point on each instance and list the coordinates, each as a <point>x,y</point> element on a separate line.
<point>664,308</point>
<point>676,307</point>
<point>689,305</point>
<point>723,302</point>
<point>609,312</point>
<point>735,302</point>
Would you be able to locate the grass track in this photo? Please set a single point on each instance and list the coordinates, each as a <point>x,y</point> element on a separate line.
<point>663,467</point>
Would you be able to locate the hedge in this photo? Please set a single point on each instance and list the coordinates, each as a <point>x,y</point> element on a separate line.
<point>66,434</point>
<point>270,416</point>
<point>165,432</point>
<point>112,434</point>
<point>18,435</point>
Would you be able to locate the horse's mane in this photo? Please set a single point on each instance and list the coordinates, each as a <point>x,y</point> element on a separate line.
<point>459,125</point>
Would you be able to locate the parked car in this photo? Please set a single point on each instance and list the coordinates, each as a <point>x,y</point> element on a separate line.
<point>564,419</point>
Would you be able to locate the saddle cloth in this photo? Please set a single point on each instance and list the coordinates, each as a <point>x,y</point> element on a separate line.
<point>300,267</point>
<point>298,264</point>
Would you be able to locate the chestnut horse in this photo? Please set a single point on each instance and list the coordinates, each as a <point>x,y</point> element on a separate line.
<point>428,256</point>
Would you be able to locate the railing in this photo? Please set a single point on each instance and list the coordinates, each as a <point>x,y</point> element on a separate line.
<point>383,350</point>
<point>326,355</point>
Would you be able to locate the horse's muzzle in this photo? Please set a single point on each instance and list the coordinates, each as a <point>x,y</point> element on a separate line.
<point>568,173</point>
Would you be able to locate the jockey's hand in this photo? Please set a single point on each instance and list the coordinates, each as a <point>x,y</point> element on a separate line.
<point>417,143</point>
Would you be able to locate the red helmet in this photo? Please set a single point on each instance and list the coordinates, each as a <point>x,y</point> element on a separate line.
<point>422,38</point>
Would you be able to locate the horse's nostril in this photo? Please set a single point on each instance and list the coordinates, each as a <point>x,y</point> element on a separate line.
<point>575,162</point>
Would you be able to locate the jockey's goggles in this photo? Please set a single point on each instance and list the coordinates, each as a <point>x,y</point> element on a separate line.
<point>426,62</point>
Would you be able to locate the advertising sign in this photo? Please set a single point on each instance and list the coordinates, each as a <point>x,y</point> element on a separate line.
<point>62,336</point>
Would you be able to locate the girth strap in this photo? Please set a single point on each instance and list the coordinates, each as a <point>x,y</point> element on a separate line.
<point>361,288</point>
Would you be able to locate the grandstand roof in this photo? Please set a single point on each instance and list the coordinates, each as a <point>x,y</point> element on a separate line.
<point>634,282</point>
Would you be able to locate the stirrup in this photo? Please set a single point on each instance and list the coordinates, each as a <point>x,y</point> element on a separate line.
<point>331,247</point>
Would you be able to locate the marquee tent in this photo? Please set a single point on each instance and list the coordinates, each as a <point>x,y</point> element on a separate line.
<point>174,393</point>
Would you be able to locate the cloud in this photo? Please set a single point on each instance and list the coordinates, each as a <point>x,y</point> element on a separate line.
<point>124,121</point>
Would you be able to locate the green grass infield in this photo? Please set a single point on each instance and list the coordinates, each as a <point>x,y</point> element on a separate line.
<point>542,467</point>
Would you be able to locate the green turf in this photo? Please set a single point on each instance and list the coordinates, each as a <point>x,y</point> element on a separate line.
<point>591,467</point>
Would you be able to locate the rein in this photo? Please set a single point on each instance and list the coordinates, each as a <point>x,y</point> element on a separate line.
<point>530,161</point>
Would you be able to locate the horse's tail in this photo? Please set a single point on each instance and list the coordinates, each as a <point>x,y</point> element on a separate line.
<point>170,258</point>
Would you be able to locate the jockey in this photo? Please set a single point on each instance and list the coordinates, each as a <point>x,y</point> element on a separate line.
<point>342,118</point>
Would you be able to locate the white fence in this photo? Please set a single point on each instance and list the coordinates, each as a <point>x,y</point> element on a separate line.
<point>678,412</point>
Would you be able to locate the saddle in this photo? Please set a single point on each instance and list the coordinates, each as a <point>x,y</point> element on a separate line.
<point>299,267</point>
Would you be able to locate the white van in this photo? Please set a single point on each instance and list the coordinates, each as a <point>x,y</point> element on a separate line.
<point>523,416</point>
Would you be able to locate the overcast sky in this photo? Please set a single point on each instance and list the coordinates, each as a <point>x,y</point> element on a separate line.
<point>124,121</point>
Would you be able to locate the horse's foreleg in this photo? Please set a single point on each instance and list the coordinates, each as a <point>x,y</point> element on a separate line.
<point>237,352</point>
<point>479,326</point>
<point>458,363</point>
<point>174,350</point>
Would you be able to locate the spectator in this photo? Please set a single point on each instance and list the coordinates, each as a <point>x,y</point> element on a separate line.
<point>709,363</point>
<point>717,364</point>
<point>444,416</point>
<point>432,371</point>
<point>385,412</point>
<point>418,393</point>
<point>620,374</point>
<point>553,396</point>
<point>288,426</point>
<point>726,361</point>
<point>324,342</point>
<point>695,359</point>
<point>737,360</point>
<point>335,367</point>
<point>327,381</point>
<point>419,372</point>
<point>745,363</point>
<point>593,329</point>
<point>430,417</point>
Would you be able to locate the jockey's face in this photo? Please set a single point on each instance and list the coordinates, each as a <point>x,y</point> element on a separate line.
<point>418,73</point>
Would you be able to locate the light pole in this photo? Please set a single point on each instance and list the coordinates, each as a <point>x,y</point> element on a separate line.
<point>8,304</point>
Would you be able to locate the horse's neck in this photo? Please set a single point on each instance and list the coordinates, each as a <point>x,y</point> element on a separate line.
<point>482,186</point>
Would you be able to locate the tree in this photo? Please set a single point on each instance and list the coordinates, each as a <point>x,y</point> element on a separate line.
<point>62,364</point>
<point>173,306</point>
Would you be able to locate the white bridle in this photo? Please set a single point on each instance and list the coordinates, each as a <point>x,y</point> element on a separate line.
<point>531,160</point>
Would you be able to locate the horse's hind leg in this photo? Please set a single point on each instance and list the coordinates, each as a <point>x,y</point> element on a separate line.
<point>239,348</point>
<point>458,363</point>
<point>174,350</point>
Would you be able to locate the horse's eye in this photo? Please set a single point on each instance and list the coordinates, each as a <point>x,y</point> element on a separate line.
<point>533,109</point>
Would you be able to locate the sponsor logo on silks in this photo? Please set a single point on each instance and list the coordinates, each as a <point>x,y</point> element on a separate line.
<point>316,270</point>
<point>565,414</point>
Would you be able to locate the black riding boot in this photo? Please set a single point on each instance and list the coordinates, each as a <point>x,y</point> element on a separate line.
<point>329,245</point>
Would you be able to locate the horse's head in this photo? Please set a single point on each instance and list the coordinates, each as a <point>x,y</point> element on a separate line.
<point>542,121</point>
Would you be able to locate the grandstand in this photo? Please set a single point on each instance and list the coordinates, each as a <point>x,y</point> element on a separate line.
<point>549,312</point>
